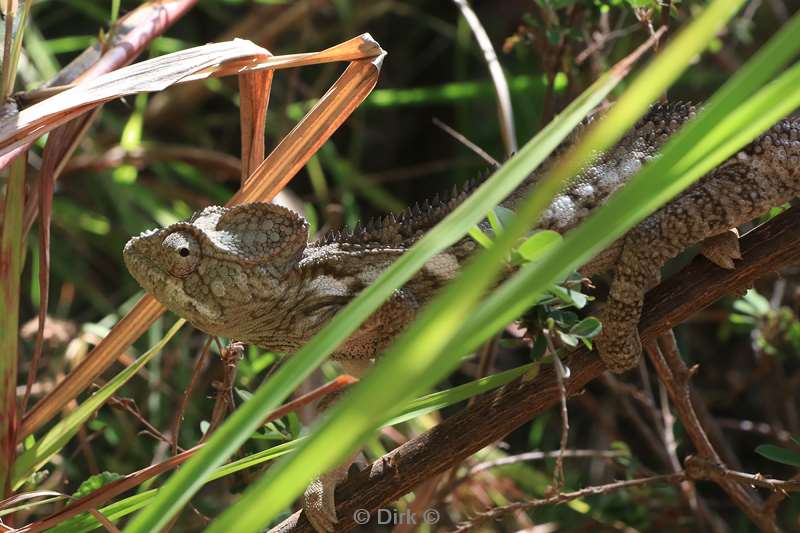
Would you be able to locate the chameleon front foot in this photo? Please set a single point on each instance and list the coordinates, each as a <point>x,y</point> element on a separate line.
<point>722,249</point>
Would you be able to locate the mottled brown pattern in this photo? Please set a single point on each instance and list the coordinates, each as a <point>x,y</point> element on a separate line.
<point>247,272</point>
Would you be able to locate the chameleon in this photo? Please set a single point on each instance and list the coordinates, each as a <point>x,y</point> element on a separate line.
<point>249,272</point>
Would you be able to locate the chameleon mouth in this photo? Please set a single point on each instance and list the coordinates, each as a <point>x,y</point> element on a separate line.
<point>136,256</point>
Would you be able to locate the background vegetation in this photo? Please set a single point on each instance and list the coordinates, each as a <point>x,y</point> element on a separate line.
<point>152,160</point>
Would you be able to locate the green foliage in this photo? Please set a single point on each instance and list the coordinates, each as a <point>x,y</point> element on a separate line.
<point>779,454</point>
<point>777,330</point>
<point>131,175</point>
<point>95,482</point>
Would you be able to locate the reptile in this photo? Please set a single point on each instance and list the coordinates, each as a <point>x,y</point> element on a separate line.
<point>249,272</point>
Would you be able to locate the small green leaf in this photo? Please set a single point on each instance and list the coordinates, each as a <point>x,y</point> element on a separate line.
<point>537,244</point>
<point>494,222</point>
<point>93,483</point>
<point>779,454</point>
<point>587,328</point>
<point>568,296</point>
<point>743,320</point>
<point>243,394</point>
<point>752,304</point>
<point>539,348</point>
<point>626,459</point>
<point>570,340</point>
<point>480,237</point>
<point>503,216</point>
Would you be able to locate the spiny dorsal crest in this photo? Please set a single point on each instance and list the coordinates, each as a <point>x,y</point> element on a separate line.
<point>409,224</point>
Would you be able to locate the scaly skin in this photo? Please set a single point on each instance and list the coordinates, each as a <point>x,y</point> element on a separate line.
<point>248,273</point>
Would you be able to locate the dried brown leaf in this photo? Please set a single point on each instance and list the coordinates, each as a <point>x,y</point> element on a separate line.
<point>283,163</point>
<point>148,76</point>
<point>254,89</point>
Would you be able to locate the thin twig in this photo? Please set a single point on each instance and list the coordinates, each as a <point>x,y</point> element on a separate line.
<point>777,497</point>
<point>342,381</point>
<point>699,468</point>
<point>561,375</point>
<point>230,356</point>
<point>539,455</point>
<point>671,445</point>
<point>176,425</point>
<point>480,152</point>
<point>110,527</point>
<point>568,497</point>
<point>599,40</point>
<point>127,404</point>
<point>668,421</point>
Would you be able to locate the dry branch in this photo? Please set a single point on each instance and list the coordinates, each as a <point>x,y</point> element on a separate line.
<point>766,249</point>
<point>675,376</point>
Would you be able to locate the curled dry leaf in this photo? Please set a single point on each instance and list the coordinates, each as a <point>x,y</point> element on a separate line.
<point>233,57</point>
<point>148,76</point>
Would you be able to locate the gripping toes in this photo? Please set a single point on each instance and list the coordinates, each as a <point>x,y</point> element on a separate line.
<point>722,249</point>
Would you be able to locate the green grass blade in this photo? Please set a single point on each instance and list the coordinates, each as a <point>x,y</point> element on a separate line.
<point>419,407</point>
<point>419,357</point>
<point>12,249</point>
<point>441,399</point>
<point>654,185</point>
<point>114,511</point>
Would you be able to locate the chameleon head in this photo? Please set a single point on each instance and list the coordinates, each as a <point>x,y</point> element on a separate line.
<point>220,263</point>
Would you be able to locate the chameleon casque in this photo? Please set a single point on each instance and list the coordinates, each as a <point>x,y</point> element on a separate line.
<point>248,272</point>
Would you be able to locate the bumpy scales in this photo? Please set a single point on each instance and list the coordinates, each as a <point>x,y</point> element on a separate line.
<point>248,273</point>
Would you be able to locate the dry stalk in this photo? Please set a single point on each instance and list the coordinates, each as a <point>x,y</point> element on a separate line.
<point>564,497</point>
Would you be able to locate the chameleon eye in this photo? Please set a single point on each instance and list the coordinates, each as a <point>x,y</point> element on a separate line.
<point>181,253</point>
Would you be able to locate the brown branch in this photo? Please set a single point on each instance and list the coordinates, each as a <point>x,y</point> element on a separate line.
<point>699,468</point>
<point>675,376</point>
<point>775,499</point>
<point>769,248</point>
